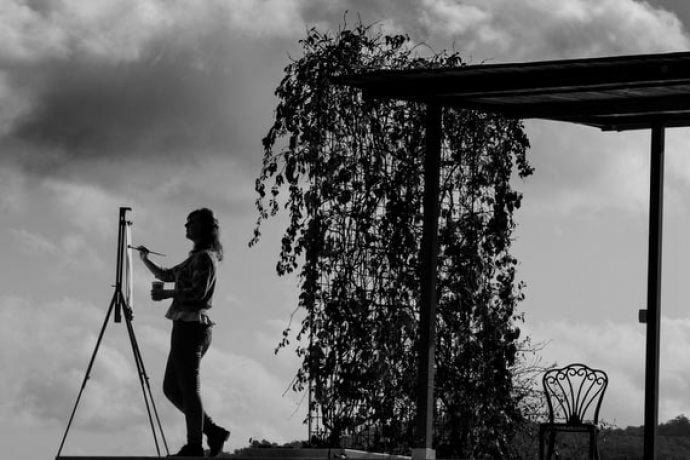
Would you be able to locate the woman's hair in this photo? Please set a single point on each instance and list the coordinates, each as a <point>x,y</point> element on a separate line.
<point>209,233</point>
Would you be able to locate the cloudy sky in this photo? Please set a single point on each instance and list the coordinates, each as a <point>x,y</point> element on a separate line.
<point>161,105</point>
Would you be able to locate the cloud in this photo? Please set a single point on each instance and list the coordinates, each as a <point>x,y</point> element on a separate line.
<point>150,81</point>
<point>608,171</point>
<point>34,243</point>
<point>128,78</point>
<point>12,190</point>
<point>248,398</point>
<point>215,182</point>
<point>45,371</point>
<point>503,30</point>
<point>619,349</point>
<point>72,252</point>
<point>167,107</point>
<point>86,207</point>
<point>51,344</point>
<point>123,30</point>
<point>28,35</point>
<point>509,31</point>
<point>677,167</point>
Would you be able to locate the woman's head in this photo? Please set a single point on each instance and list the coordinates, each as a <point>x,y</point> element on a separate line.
<point>202,229</point>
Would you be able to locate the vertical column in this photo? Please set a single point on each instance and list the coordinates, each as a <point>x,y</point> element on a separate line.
<point>424,432</point>
<point>653,316</point>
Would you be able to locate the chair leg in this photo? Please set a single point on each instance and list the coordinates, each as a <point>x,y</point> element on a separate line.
<point>552,443</point>
<point>541,442</point>
<point>596,446</point>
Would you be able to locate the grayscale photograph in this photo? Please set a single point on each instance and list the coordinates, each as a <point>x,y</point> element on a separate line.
<point>345,229</point>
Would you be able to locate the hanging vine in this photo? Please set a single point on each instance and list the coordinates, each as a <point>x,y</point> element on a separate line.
<point>349,172</point>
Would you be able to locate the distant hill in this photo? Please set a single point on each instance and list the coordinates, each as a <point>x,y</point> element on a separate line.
<point>626,443</point>
<point>673,442</point>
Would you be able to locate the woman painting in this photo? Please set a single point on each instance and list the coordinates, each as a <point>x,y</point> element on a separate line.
<point>192,298</point>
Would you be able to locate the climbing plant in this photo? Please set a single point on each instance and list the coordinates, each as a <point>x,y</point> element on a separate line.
<point>348,172</point>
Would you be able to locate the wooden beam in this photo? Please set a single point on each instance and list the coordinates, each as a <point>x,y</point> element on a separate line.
<point>446,87</point>
<point>622,89</point>
<point>575,74</point>
<point>610,107</point>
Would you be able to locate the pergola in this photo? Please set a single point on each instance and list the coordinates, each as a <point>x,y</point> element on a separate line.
<point>612,93</point>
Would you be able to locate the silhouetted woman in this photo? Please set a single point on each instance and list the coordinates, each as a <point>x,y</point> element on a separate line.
<point>195,281</point>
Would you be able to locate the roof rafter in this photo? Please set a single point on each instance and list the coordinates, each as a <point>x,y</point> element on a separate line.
<point>622,92</point>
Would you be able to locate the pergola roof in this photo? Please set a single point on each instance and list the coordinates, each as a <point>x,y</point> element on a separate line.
<point>611,93</point>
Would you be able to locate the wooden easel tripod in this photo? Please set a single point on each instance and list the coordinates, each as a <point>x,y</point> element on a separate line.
<point>118,304</point>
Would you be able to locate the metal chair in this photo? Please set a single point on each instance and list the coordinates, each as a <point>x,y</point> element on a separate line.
<point>574,394</point>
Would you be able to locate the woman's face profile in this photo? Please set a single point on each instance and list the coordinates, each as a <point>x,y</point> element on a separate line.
<point>192,228</point>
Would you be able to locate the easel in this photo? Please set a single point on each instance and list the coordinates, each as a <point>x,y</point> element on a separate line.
<point>121,303</point>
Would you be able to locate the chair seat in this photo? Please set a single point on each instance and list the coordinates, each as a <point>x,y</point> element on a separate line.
<point>572,427</point>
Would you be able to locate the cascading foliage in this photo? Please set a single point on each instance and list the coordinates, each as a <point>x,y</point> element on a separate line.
<point>349,171</point>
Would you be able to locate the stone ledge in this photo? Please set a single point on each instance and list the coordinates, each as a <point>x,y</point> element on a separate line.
<point>270,453</point>
<point>94,457</point>
<point>322,454</point>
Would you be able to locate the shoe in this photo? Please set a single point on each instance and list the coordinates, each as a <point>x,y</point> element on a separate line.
<point>216,438</point>
<point>190,450</point>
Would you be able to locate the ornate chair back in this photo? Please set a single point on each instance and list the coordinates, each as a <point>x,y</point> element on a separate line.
<point>574,394</point>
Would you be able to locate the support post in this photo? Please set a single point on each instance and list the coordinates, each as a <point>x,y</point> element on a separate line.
<point>424,432</point>
<point>653,314</point>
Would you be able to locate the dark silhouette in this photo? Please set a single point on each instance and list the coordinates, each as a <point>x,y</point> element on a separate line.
<point>574,395</point>
<point>192,297</point>
<point>350,172</point>
<point>120,304</point>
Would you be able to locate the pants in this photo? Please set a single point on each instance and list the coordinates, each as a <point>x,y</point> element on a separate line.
<point>188,344</point>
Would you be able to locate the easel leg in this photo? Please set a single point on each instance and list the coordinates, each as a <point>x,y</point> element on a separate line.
<point>87,375</point>
<point>144,382</point>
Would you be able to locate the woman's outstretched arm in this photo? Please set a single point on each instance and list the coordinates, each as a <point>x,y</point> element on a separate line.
<point>159,272</point>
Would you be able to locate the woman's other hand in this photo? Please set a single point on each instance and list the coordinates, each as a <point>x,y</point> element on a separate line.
<point>161,294</point>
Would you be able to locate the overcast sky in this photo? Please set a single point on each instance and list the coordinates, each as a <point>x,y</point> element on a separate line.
<point>161,105</point>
